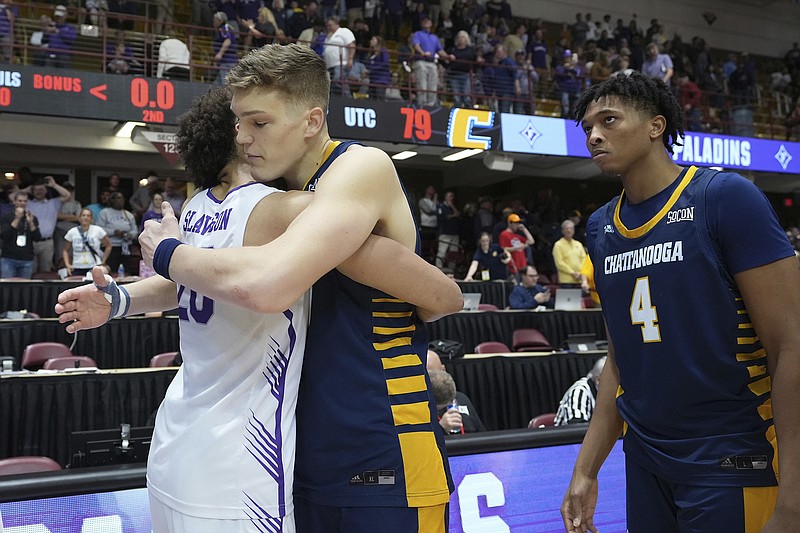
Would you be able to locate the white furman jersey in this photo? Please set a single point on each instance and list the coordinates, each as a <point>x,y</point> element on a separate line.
<point>224,440</point>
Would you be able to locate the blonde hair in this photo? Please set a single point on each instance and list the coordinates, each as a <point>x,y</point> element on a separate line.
<point>466,36</point>
<point>293,69</point>
<point>268,15</point>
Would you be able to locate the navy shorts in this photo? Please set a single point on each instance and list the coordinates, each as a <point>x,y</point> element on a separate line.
<point>655,505</point>
<point>314,518</point>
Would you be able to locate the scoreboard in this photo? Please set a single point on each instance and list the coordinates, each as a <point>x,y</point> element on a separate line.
<point>90,95</point>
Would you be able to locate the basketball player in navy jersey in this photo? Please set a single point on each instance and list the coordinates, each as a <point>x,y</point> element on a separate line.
<point>231,406</point>
<point>369,454</point>
<point>701,294</point>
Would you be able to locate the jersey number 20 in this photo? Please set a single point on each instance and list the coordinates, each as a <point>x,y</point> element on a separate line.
<point>643,312</point>
<point>188,306</point>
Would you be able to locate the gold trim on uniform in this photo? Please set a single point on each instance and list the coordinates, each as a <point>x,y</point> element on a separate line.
<point>406,385</point>
<point>401,361</point>
<point>650,224</point>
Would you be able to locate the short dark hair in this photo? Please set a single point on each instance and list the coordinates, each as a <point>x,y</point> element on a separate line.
<point>645,93</point>
<point>206,137</point>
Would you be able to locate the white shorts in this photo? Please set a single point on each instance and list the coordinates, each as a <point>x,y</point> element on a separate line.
<point>167,520</point>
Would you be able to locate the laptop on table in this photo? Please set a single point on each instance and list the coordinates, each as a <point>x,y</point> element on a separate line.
<point>568,299</point>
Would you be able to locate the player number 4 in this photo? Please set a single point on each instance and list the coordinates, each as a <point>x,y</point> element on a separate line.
<point>643,312</point>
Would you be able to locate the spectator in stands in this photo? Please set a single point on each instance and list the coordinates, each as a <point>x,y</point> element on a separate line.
<point>224,45</point>
<point>580,30</point>
<point>229,8</point>
<point>120,56</point>
<point>489,261</point>
<point>461,60</point>
<point>378,67</point>
<point>449,227</point>
<point>484,217</point>
<point>165,10</point>
<point>526,79</point>
<point>601,69</point>
<point>101,203</point>
<point>515,240</point>
<point>67,219</point>
<point>657,64</point>
<point>362,34</point>
<point>140,199</point>
<point>60,39</point>
<point>461,419</point>
<point>621,66</point>
<point>46,210</point>
<point>19,229</point>
<point>568,255</point>
<point>124,10</point>
<point>538,54</point>
<point>394,12</point>
<point>40,41</point>
<point>303,20</point>
<point>247,10</point>
<point>426,48</point>
<point>8,14</point>
<point>85,246</point>
<point>173,193</point>
<point>263,31</point>
<point>569,82</point>
<point>393,91</point>
<point>339,54</point>
<point>690,100</point>
<point>154,211</point>
<point>499,79</point>
<point>97,10</point>
<point>120,225</point>
<point>577,404</point>
<point>518,39</point>
<point>174,60</point>
<point>530,294</point>
<point>742,82</point>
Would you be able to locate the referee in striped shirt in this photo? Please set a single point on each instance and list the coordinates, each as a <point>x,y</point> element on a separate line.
<point>577,404</point>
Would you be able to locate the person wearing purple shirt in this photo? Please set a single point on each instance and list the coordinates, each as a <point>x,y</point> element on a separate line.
<point>657,65</point>
<point>378,67</point>
<point>8,13</point>
<point>499,77</point>
<point>61,36</point>
<point>569,80</point>
<point>224,46</point>
<point>426,46</point>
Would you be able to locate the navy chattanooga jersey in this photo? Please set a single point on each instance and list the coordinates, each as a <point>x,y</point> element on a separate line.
<point>367,431</point>
<point>694,389</point>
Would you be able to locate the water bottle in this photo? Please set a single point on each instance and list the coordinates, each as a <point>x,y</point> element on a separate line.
<point>453,405</point>
<point>121,271</point>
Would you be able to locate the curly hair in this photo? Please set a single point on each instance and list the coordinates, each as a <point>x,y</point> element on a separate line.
<point>206,137</point>
<point>645,93</point>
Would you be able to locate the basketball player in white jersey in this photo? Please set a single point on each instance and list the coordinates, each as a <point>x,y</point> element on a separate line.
<point>222,457</point>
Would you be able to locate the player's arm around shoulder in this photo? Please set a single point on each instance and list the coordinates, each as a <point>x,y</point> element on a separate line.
<point>772,296</point>
<point>386,261</point>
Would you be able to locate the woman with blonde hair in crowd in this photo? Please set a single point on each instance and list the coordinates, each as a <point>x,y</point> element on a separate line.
<point>85,245</point>
<point>263,31</point>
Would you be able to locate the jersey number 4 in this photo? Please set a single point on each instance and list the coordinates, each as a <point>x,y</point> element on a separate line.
<point>643,312</point>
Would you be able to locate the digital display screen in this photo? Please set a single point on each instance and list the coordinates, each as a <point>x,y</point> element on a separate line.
<point>91,95</point>
<point>507,491</point>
